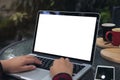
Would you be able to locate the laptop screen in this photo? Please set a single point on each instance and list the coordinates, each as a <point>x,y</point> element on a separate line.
<point>65,34</point>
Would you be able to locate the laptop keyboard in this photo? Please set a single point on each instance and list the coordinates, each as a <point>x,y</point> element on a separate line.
<point>47,63</point>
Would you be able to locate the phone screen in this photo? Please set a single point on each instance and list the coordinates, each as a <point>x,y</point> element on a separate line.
<point>105,73</point>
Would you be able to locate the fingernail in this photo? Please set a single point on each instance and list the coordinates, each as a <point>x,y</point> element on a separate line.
<point>33,67</point>
<point>40,62</point>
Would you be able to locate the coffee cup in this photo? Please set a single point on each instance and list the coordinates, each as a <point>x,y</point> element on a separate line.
<point>107,27</point>
<point>115,36</point>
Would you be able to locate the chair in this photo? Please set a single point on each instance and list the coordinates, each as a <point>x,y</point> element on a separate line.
<point>116,16</point>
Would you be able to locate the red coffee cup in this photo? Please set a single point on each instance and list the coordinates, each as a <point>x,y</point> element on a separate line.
<point>115,36</point>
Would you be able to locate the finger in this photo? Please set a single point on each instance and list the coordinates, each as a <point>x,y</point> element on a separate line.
<point>55,61</point>
<point>32,61</point>
<point>37,61</point>
<point>67,59</point>
<point>51,71</point>
<point>28,68</point>
<point>28,56</point>
<point>51,68</point>
<point>71,65</point>
<point>68,62</point>
<point>33,57</point>
<point>62,60</point>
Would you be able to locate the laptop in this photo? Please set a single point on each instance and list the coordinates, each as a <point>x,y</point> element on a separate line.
<point>63,34</point>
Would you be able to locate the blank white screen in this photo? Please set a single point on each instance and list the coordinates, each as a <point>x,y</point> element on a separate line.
<point>70,36</point>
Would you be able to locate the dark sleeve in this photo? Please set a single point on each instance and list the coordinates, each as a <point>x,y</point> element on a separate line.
<point>62,76</point>
<point>1,71</point>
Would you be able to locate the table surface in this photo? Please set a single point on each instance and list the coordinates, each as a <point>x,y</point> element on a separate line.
<point>111,54</point>
<point>25,47</point>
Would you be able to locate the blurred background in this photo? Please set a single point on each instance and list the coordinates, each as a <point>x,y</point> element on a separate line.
<point>18,17</point>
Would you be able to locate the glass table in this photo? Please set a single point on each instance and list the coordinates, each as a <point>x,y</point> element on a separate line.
<point>25,47</point>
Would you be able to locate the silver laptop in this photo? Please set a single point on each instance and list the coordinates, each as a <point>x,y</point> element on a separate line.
<point>63,34</point>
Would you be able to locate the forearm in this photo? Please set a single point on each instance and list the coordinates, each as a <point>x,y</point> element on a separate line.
<point>62,76</point>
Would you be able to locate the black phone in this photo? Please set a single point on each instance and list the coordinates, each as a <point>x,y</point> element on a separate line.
<point>105,73</point>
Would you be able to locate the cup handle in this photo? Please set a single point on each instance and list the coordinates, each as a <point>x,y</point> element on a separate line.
<point>106,35</point>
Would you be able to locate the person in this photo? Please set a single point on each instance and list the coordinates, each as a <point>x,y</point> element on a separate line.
<point>60,70</point>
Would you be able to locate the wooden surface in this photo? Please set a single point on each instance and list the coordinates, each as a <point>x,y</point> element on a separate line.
<point>111,54</point>
<point>103,44</point>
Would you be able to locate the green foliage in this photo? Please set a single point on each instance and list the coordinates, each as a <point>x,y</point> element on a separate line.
<point>31,6</point>
<point>18,17</point>
<point>106,10</point>
<point>105,15</point>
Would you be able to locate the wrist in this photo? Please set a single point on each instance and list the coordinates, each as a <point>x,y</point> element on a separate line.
<point>4,65</point>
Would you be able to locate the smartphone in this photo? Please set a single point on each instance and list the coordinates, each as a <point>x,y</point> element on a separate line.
<point>105,73</point>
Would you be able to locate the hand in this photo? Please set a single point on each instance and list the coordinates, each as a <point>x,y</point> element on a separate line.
<point>20,64</point>
<point>61,66</point>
